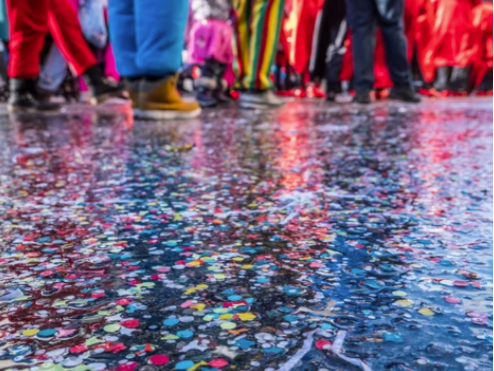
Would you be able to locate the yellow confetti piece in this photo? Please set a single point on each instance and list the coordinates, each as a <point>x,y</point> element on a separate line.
<point>200,307</point>
<point>333,252</point>
<point>246,316</point>
<point>195,263</point>
<point>60,303</point>
<point>426,312</point>
<point>226,316</point>
<point>197,365</point>
<point>228,325</point>
<point>403,303</point>
<point>219,276</point>
<point>399,293</point>
<point>247,266</point>
<point>30,332</point>
<point>194,289</point>
<point>170,337</point>
<point>208,318</point>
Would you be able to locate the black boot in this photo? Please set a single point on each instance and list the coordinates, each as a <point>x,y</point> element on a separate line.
<point>207,84</point>
<point>23,98</point>
<point>362,98</point>
<point>102,88</point>
<point>221,93</point>
<point>404,94</point>
<point>443,75</point>
<point>205,97</point>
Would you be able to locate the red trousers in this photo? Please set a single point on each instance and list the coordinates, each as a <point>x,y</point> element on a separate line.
<point>29,22</point>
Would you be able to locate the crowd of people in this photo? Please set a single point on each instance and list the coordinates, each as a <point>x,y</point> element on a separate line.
<point>152,51</point>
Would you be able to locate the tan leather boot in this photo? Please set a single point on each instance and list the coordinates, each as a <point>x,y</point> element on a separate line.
<point>161,100</point>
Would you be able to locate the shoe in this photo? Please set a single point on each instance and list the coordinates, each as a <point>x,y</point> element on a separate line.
<point>222,96</point>
<point>362,98</point>
<point>222,93</point>
<point>102,88</point>
<point>382,94</point>
<point>300,93</point>
<point>159,99</point>
<point>206,99</point>
<point>330,96</point>
<point>205,88</point>
<point>132,89</point>
<point>259,100</point>
<point>314,91</point>
<point>23,98</point>
<point>404,94</point>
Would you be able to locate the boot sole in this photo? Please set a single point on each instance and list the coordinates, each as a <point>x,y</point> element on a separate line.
<point>260,106</point>
<point>165,115</point>
<point>403,100</point>
<point>14,109</point>
<point>104,97</point>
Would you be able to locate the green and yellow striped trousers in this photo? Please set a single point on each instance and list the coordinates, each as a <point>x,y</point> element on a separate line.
<point>256,39</point>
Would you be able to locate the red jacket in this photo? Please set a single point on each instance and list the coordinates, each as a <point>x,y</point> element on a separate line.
<point>451,34</point>
<point>481,50</point>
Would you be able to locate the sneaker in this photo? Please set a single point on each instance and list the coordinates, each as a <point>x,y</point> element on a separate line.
<point>159,99</point>
<point>205,98</point>
<point>23,98</point>
<point>222,96</point>
<point>404,94</point>
<point>102,88</point>
<point>362,98</point>
<point>260,100</point>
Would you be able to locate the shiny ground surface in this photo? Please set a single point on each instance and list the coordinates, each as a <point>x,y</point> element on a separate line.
<point>311,238</point>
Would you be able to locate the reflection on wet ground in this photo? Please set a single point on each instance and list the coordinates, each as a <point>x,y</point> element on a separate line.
<point>310,238</point>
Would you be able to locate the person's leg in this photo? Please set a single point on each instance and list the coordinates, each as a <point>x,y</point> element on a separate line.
<point>242,39</point>
<point>265,25</point>
<point>54,70</point>
<point>66,30</point>
<point>122,25</point>
<point>361,15</point>
<point>443,75</point>
<point>67,34</point>
<point>160,26</point>
<point>460,76</point>
<point>390,21</point>
<point>334,59</point>
<point>28,27</point>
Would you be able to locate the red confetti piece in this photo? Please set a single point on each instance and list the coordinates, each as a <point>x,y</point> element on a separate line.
<point>159,360</point>
<point>323,344</point>
<point>130,323</point>
<point>218,362</point>
<point>79,349</point>
<point>453,300</point>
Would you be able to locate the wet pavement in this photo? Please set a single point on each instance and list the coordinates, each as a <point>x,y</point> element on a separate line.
<point>315,237</point>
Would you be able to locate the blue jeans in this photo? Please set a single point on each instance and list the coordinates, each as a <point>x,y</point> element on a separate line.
<point>147,35</point>
<point>92,18</point>
<point>54,70</point>
<point>363,15</point>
